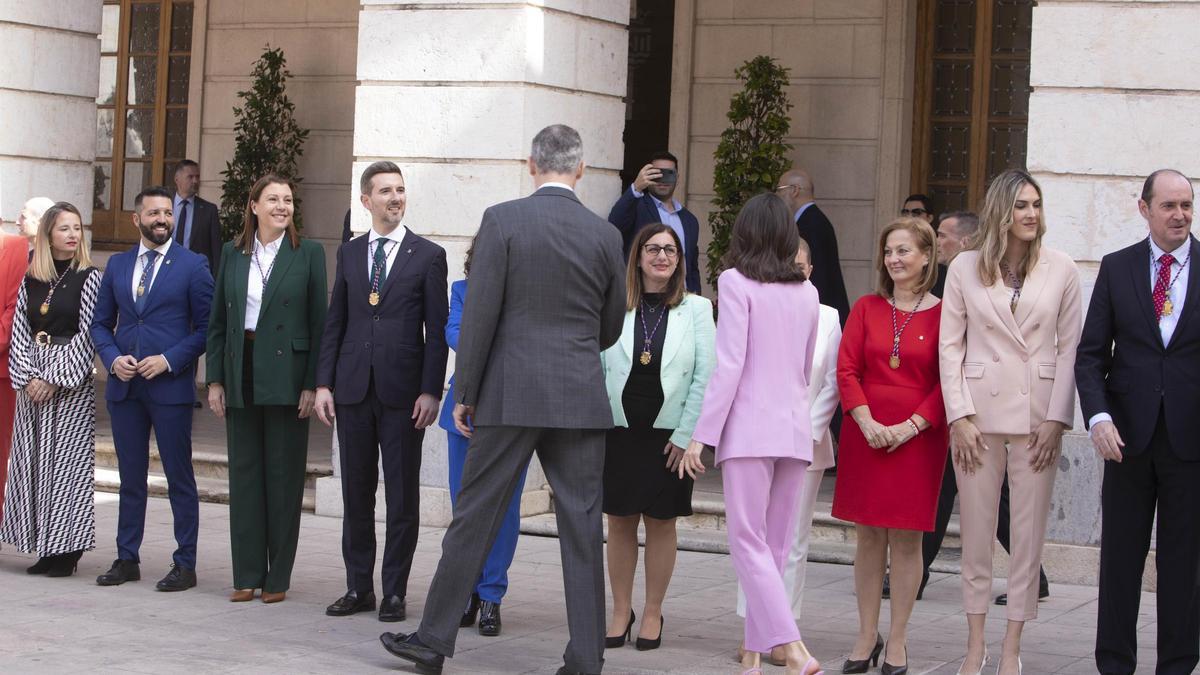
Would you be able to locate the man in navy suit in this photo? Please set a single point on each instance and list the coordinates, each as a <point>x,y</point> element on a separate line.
<point>149,328</point>
<point>650,199</point>
<point>1136,368</point>
<point>381,371</point>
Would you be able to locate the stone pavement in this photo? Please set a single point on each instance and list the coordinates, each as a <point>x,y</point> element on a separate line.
<point>72,625</point>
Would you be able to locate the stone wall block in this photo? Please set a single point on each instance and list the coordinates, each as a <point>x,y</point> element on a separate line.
<point>849,9</point>
<point>412,121</point>
<point>411,45</point>
<point>601,57</point>
<point>843,111</point>
<point>839,170</point>
<point>320,103</point>
<point>1077,45</point>
<point>1123,133</point>
<point>22,178</point>
<point>49,61</point>
<point>868,51</point>
<point>328,51</point>
<point>614,11</point>
<point>721,49</point>
<point>774,9</point>
<point>81,16</point>
<point>1088,218</point>
<point>45,125</point>
<point>855,227</point>
<point>824,50</point>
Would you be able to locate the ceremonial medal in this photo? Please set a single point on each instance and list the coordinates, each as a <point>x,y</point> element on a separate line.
<point>141,290</point>
<point>894,362</point>
<point>373,298</point>
<point>45,308</point>
<point>1168,308</point>
<point>645,358</point>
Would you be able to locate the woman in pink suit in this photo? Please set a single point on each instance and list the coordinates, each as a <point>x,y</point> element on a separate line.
<point>756,414</point>
<point>892,451</point>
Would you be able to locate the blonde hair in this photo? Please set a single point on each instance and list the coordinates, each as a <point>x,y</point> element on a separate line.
<point>42,265</point>
<point>925,238</point>
<point>995,222</point>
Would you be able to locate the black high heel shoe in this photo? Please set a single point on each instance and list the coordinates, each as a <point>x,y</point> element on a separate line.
<point>889,669</point>
<point>65,565</point>
<point>643,644</point>
<point>42,566</point>
<point>852,666</point>
<point>620,640</point>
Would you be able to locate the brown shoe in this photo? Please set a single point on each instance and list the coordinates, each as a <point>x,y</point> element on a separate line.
<point>270,598</point>
<point>241,595</point>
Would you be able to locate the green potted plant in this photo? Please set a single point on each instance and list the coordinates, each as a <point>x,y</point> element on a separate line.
<point>267,140</point>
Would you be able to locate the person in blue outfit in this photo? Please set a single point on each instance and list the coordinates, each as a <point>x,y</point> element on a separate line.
<point>149,327</point>
<point>493,581</point>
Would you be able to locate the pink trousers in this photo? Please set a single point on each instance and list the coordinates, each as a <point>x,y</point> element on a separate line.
<point>762,499</point>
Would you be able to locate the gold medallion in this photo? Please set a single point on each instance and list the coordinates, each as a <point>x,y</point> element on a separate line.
<point>141,290</point>
<point>1168,308</point>
<point>45,308</point>
<point>894,362</point>
<point>373,298</point>
<point>644,359</point>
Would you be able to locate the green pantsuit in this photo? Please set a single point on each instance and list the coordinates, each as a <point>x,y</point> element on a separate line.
<point>263,378</point>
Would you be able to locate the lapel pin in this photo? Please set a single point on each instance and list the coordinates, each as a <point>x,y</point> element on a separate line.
<point>168,262</point>
<point>409,251</point>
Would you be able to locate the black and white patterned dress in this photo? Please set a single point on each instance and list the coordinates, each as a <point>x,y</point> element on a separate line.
<point>49,507</point>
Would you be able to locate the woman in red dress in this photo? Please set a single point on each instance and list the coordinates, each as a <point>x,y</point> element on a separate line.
<point>891,459</point>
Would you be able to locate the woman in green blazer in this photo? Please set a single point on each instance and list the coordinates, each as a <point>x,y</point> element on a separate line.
<point>268,311</point>
<point>656,375</point>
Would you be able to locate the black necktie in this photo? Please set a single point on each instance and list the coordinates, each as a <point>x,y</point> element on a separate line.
<point>181,224</point>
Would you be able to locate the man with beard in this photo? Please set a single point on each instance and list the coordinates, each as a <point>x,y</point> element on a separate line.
<point>149,328</point>
<point>651,199</point>
<point>381,372</point>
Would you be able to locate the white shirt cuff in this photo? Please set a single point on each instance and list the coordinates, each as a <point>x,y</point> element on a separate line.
<point>634,192</point>
<point>1096,419</point>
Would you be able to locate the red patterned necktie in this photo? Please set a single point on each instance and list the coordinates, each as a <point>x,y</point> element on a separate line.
<point>1162,284</point>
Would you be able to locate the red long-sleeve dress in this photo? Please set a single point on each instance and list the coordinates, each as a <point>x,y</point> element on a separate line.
<point>897,490</point>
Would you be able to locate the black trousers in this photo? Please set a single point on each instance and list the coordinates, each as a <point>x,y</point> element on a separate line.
<point>931,543</point>
<point>366,431</point>
<point>1155,479</point>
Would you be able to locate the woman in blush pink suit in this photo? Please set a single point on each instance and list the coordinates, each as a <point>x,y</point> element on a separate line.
<point>756,414</point>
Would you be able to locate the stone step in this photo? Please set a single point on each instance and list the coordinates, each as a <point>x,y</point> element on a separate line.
<point>210,489</point>
<point>206,463</point>
<point>714,540</point>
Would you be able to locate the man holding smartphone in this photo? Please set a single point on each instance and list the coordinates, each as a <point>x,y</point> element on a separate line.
<point>651,199</point>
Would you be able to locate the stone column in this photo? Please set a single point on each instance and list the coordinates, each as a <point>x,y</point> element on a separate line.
<point>1108,107</point>
<point>48,87</point>
<point>454,92</point>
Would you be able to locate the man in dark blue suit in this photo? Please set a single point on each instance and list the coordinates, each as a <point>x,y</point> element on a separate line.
<point>650,199</point>
<point>149,328</point>
<point>381,372</point>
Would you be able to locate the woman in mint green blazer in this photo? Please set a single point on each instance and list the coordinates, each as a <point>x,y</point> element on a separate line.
<point>268,312</point>
<point>656,375</point>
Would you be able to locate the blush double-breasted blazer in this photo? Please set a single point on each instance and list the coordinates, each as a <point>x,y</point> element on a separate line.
<point>1011,371</point>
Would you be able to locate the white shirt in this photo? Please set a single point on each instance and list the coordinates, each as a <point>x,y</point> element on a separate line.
<point>800,211</point>
<point>665,216</point>
<point>261,263</point>
<point>141,264</point>
<point>1176,293</point>
<point>391,243</point>
<point>557,185</point>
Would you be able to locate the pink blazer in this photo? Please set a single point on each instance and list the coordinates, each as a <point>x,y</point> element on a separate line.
<point>756,404</point>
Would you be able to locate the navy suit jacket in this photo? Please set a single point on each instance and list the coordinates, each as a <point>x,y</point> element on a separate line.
<point>1122,366</point>
<point>401,342</point>
<point>827,264</point>
<point>173,321</point>
<point>631,214</point>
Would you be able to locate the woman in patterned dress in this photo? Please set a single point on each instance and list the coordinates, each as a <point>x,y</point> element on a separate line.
<point>48,507</point>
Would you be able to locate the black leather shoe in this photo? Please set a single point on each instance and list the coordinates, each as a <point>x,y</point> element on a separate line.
<point>567,671</point>
<point>620,640</point>
<point>887,586</point>
<point>120,572</point>
<point>889,669</point>
<point>42,566</point>
<point>468,617</point>
<point>392,609</point>
<point>1043,593</point>
<point>65,564</point>
<point>351,603</point>
<point>178,579</point>
<point>410,648</point>
<point>489,618</point>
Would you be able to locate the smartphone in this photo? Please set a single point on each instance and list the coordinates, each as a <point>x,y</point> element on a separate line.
<point>668,177</point>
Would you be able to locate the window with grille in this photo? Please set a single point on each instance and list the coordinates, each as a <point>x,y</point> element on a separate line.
<point>141,115</point>
<point>971,97</point>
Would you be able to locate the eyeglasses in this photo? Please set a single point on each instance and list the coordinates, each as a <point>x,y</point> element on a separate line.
<point>783,187</point>
<point>653,250</point>
<point>918,212</point>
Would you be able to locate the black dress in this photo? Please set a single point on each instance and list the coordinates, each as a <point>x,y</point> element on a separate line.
<point>636,479</point>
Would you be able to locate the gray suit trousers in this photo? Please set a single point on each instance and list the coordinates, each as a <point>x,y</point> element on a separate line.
<point>573,460</point>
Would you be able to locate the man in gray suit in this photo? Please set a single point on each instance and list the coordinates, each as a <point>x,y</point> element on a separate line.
<point>547,295</point>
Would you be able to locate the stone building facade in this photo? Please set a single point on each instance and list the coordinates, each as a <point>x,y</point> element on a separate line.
<point>890,97</point>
